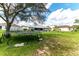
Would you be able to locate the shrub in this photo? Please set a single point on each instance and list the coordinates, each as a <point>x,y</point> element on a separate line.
<point>56,29</point>
<point>24,38</point>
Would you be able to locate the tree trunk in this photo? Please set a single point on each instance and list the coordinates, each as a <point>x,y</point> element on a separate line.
<point>7,33</point>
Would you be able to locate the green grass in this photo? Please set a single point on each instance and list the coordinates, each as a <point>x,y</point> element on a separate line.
<point>54,44</point>
<point>64,43</point>
<point>1,31</point>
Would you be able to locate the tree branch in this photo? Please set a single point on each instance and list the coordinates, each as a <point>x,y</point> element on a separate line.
<point>16,13</point>
<point>5,11</point>
<point>13,18</point>
<point>2,18</point>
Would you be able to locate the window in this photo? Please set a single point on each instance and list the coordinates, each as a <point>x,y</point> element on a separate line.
<point>38,28</point>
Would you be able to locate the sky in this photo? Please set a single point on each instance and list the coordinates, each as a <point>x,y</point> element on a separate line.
<point>55,6</point>
<point>63,14</point>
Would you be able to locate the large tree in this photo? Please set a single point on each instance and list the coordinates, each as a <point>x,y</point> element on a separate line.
<point>24,11</point>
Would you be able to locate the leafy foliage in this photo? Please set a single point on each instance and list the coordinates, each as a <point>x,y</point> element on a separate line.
<point>76,21</point>
<point>56,29</point>
<point>24,11</point>
<point>34,12</point>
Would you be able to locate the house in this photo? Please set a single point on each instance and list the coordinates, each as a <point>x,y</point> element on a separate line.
<point>35,28</point>
<point>24,28</point>
<point>3,26</point>
<point>61,28</point>
<point>65,28</point>
<point>39,28</point>
<point>14,27</point>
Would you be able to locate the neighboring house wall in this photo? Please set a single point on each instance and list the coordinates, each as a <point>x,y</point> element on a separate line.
<point>3,27</point>
<point>14,28</point>
<point>64,29</point>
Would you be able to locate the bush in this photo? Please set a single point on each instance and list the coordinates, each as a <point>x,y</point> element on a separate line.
<point>56,29</point>
<point>24,38</point>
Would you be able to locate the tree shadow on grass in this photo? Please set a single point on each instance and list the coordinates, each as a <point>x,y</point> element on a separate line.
<point>59,45</point>
<point>20,38</point>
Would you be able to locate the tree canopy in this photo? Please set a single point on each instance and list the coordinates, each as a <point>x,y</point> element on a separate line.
<point>24,11</point>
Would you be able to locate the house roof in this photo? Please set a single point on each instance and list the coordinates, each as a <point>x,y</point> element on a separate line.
<point>64,26</point>
<point>38,26</point>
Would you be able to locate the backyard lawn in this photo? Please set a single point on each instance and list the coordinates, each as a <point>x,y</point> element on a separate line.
<point>53,44</point>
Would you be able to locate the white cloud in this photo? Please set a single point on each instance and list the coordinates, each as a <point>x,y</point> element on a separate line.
<point>62,17</point>
<point>54,14</point>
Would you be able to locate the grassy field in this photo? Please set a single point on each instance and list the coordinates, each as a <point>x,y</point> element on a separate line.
<point>53,44</point>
